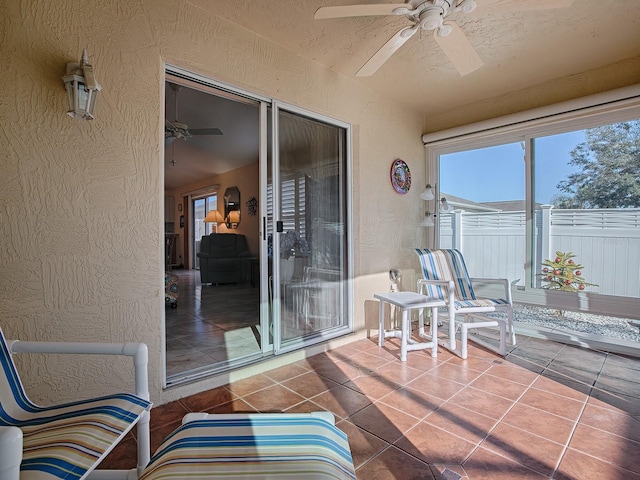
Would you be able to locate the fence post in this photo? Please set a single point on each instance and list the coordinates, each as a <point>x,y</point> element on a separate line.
<point>543,239</point>
<point>456,227</point>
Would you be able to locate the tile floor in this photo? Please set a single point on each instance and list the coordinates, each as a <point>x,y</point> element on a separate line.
<point>546,410</point>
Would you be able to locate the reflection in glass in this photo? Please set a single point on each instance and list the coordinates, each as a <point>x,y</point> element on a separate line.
<point>312,245</point>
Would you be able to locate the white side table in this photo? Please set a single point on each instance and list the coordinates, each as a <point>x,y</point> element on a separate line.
<point>408,301</point>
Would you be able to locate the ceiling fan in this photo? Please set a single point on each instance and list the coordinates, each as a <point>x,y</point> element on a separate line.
<point>431,15</point>
<point>176,129</point>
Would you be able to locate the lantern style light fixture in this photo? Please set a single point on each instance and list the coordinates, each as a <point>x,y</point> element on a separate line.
<point>82,88</point>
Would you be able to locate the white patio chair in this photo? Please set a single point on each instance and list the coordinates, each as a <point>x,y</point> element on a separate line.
<point>68,441</point>
<point>446,277</point>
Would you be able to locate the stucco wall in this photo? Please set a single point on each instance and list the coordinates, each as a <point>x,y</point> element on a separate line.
<point>82,202</point>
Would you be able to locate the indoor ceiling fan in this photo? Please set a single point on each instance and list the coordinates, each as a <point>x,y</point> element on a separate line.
<point>175,129</point>
<point>432,15</point>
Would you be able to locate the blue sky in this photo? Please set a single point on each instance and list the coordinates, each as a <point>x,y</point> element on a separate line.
<point>497,173</point>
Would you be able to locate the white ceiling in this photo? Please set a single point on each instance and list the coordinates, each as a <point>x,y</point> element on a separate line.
<point>519,49</point>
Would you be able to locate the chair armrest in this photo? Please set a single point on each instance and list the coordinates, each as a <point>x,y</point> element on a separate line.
<point>244,255</point>
<point>10,452</point>
<point>138,351</point>
<point>448,286</point>
<point>494,281</point>
<point>202,255</point>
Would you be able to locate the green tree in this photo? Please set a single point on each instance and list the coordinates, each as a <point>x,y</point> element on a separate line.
<point>609,176</point>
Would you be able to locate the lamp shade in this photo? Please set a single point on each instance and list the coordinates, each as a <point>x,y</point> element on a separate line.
<point>445,206</point>
<point>214,216</point>
<point>428,193</point>
<point>428,220</point>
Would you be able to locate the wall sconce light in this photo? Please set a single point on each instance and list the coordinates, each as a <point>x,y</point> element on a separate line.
<point>214,216</point>
<point>82,88</point>
<point>444,207</point>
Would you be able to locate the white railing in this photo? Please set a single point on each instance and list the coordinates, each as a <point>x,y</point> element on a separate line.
<point>605,241</point>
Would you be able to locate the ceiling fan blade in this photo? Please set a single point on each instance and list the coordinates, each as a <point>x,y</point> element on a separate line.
<point>205,131</point>
<point>358,10</point>
<point>509,6</point>
<point>385,52</point>
<point>461,53</point>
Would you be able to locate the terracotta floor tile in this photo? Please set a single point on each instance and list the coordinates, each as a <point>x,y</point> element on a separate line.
<point>249,385</point>
<point>435,385</point>
<point>394,464</point>
<point>552,403</point>
<point>435,445</point>
<point>414,402</point>
<point>342,401</point>
<point>310,384</point>
<point>159,434</point>
<point>399,373</point>
<point>273,399</point>
<point>553,386</point>
<point>512,372</point>
<point>612,420</point>
<point>286,372</point>
<point>306,407</point>
<point>123,457</point>
<point>367,361</point>
<point>363,445</point>
<point>383,421</point>
<point>607,447</point>
<point>475,363</point>
<point>168,412</point>
<point>482,402</point>
<point>208,399</point>
<point>456,373</point>
<point>577,465</point>
<point>484,464</point>
<point>374,387</point>
<point>499,386</point>
<point>462,422</point>
<point>339,372</point>
<point>235,406</point>
<point>524,448</point>
<point>544,424</point>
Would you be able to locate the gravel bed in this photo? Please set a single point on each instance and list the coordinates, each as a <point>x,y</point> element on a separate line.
<point>612,327</point>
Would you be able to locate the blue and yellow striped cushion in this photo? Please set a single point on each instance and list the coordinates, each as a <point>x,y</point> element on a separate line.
<point>449,265</point>
<point>63,441</point>
<point>255,448</point>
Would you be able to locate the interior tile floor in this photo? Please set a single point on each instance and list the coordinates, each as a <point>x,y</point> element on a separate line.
<point>211,325</point>
<point>546,410</point>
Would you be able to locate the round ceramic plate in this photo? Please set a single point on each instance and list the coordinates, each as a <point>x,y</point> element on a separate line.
<point>400,176</point>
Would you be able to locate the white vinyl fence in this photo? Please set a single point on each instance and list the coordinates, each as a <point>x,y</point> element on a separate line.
<point>605,241</point>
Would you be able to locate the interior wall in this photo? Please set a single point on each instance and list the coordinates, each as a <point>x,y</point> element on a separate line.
<point>82,202</point>
<point>248,182</point>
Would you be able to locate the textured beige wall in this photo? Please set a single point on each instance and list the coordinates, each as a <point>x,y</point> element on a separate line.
<point>82,203</point>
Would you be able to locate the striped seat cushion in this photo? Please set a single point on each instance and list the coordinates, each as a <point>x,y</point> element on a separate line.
<point>255,448</point>
<point>481,302</point>
<point>64,441</point>
<point>68,441</point>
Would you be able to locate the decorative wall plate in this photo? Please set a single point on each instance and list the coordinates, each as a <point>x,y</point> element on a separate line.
<point>400,176</point>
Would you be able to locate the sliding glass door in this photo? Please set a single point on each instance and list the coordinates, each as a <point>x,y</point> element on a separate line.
<point>307,228</point>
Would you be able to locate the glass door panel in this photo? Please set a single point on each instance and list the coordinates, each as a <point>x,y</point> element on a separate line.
<point>310,230</point>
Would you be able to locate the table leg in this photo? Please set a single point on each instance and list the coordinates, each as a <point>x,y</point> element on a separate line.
<point>434,331</point>
<point>406,333</point>
<point>381,324</point>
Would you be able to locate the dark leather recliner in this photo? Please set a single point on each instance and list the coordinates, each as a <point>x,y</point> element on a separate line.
<point>224,258</point>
